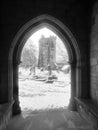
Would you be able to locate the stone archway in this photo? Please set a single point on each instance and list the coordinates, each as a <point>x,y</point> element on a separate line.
<point>16,47</point>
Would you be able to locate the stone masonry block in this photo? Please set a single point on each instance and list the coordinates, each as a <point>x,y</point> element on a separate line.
<point>93,74</point>
<point>93,79</point>
<point>96,68</point>
<point>97,74</point>
<point>94,53</point>
<point>97,94</point>
<point>93,86</point>
<point>95,46</point>
<point>93,69</point>
<point>93,61</point>
<point>93,94</point>
<point>97,80</point>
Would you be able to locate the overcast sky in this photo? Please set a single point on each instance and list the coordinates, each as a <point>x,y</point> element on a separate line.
<point>34,39</point>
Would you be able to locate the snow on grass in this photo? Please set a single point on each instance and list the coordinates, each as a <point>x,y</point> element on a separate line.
<point>38,95</point>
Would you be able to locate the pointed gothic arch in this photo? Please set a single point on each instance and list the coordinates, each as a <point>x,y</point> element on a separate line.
<point>20,39</point>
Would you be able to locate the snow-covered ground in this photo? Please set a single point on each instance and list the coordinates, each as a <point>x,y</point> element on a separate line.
<point>38,95</point>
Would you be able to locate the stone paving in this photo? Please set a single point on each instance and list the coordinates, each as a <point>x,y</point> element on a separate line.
<point>49,120</point>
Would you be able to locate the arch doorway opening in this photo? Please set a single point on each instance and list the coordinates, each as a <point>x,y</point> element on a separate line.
<point>44,74</point>
<point>48,67</point>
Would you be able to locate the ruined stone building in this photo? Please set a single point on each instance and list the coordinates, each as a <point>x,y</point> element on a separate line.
<point>47,52</point>
<point>74,21</point>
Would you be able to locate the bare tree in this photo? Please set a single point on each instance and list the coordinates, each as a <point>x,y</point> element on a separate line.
<point>28,57</point>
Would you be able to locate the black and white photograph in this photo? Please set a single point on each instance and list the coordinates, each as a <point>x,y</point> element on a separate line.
<point>49,65</point>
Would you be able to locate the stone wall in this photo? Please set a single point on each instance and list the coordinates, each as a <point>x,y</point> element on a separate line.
<point>74,14</point>
<point>94,56</point>
<point>47,52</point>
<point>5,114</point>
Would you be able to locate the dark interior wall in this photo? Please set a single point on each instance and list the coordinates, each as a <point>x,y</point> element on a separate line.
<point>74,14</point>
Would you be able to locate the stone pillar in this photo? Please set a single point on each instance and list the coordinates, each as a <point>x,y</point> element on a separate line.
<point>16,107</point>
<point>72,104</point>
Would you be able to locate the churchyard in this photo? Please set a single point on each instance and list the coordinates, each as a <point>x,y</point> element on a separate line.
<point>35,94</point>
